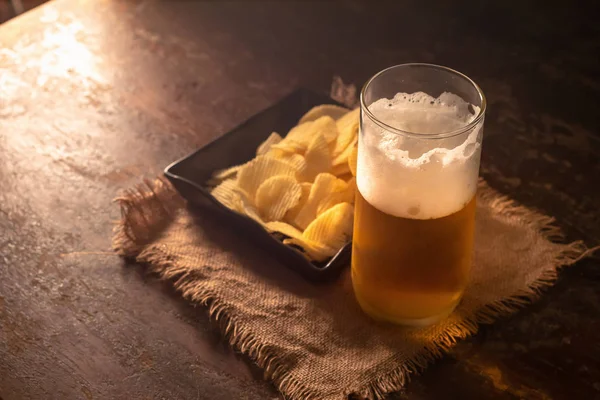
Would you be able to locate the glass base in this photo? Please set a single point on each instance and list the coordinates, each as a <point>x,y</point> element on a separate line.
<point>416,322</point>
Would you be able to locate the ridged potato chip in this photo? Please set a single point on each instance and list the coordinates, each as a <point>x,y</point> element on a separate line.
<point>323,185</point>
<point>225,192</point>
<point>338,193</point>
<point>298,134</point>
<point>254,173</point>
<point>343,157</point>
<point>329,110</point>
<point>265,146</point>
<point>347,127</point>
<point>317,159</point>
<point>314,251</point>
<point>325,126</point>
<point>333,228</point>
<point>341,170</point>
<point>227,173</point>
<point>288,146</point>
<point>306,132</point>
<point>281,227</point>
<point>292,214</point>
<point>297,161</point>
<point>352,158</point>
<point>243,205</point>
<point>276,195</point>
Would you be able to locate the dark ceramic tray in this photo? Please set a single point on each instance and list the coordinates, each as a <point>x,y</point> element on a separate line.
<point>238,146</point>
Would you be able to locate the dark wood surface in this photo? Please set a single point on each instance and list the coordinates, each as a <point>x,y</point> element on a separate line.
<point>95,95</point>
<point>7,8</point>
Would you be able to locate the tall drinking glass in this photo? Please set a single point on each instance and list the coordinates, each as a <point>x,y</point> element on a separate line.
<point>421,129</point>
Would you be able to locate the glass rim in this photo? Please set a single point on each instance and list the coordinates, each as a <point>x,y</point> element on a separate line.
<point>438,135</point>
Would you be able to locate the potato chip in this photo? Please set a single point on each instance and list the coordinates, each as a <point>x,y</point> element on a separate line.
<point>317,159</point>
<point>338,194</point>
<point>276,196</point>
<point>227,173</point>
<point>325,126</point>
<point>329,110</point>
<point>346,177</point>
<point>295,160</point>
<point>291,215</point>
<point>287,147</point>
<point>333,228</point>
<point>281,227</point>
<point>265,146</point>
<point>242,205</point>
<point>254,173</point>
<point>347,127</point>
<point>341,169</point>
<point>306,132</point>
<point>324,183</point>
<point>342,158</point>
<point>298,134</point>
<point>352,158</point>
<point>314,251</point>
<point>225,192</point>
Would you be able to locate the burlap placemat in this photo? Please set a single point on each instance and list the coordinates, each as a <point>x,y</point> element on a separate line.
<point>313,341</point>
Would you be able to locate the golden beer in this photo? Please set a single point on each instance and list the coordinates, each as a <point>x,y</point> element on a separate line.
<point>419,148</point>
<point>410,269</point>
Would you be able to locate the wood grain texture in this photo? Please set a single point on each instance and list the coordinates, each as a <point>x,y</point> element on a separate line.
<point>95,95</point>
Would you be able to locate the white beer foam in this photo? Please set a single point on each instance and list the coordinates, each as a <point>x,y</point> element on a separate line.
<point>419,178</point>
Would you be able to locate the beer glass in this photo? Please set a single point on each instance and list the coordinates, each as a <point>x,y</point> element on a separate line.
<point>421,128</point>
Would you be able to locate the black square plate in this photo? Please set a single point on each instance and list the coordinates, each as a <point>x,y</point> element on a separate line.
<point>238,146</point>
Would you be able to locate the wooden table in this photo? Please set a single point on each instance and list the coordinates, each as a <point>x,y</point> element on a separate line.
<point>11,8</point>
<point>95,95</point>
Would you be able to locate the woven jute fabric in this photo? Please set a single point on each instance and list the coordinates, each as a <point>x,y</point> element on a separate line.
<point>313,341</point>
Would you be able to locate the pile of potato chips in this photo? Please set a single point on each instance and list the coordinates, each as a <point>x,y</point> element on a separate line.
<point>303,185</point>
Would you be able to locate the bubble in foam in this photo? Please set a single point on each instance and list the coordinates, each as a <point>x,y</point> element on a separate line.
<point>413,210</point>
<point>414,177</point>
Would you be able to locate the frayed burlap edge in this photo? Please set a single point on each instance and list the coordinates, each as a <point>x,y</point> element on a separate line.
<point>150,204</point>
<point>161,199</point>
